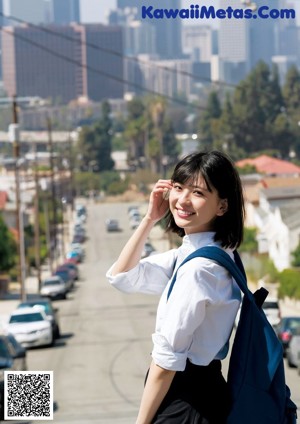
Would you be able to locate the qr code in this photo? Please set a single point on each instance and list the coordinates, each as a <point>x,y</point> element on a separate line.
<point>28,395</point>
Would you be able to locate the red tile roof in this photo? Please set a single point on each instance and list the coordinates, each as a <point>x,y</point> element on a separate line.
<point>270,166</point>
<point>3,199</point>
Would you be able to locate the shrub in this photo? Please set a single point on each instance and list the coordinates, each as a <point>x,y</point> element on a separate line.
<point>289,283</point>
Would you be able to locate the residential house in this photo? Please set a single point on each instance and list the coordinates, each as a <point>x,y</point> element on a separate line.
<point>272,206</point>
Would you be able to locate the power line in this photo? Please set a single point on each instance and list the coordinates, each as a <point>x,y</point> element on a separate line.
<point>115,53</point>
<point>102,73</point>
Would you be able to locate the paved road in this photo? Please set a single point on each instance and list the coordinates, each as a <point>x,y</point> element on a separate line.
<point>101,359</point>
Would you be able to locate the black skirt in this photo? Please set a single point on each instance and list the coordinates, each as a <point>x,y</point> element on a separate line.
<point>198,395</point>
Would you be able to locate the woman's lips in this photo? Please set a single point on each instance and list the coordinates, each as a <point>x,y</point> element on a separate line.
<point>184,214</point>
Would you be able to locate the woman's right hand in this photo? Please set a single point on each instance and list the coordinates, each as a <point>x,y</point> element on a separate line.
<point>159,202</point>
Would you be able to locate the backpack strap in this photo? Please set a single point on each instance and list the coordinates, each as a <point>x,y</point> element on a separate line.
<point>217,254</point>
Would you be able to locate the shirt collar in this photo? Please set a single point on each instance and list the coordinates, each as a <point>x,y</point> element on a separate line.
<point>197,240</point>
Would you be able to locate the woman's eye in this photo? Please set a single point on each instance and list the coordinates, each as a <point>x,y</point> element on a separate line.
<point>198,193</point>
<point>177,186</point>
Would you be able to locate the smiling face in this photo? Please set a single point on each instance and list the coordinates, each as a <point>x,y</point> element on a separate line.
<point>195,207</point>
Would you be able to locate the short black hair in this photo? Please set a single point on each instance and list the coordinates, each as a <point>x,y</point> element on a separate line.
<point>219,173</point>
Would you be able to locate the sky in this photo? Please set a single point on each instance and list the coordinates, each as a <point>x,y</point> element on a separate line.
<point>96,10</point>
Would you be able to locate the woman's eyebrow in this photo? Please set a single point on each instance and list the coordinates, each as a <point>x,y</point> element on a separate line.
<point>198,187</point>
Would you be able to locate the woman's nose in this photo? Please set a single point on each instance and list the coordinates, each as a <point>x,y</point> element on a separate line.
<point>184,197</point>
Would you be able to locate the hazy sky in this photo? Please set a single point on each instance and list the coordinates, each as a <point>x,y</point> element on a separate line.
<point>95,10</point>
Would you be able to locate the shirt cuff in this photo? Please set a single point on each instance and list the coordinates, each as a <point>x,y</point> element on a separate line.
<point>164,356</point>
<point>124,281</point>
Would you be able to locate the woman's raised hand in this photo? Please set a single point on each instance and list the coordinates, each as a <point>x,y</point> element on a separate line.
<point>159,202</point>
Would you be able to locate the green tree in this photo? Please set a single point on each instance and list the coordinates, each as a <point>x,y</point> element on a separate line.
<point>8,247</point>
<point>249,242</point>
<point>103,138</point>
<point>296,254</point>
<point>257,102</point>
<point>291,89</point>
<point>208,119</point>
<point>95,144</point>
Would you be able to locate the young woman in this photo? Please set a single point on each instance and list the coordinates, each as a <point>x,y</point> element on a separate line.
<point>204,205</point>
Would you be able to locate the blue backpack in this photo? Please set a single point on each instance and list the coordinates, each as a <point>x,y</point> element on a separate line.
<point>256,371</point>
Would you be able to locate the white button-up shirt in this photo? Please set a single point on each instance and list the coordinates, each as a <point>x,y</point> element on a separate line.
<point>196,321</point>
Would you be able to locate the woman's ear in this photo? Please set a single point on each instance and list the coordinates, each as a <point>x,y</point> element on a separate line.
<point>223,207</point>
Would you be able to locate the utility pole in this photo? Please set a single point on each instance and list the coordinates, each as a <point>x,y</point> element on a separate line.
<point>53,230</point>
<point>37,244</point>
<point>71,169</point>
<point>14,138</point>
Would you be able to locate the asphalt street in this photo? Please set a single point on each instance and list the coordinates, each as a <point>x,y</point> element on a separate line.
<point>101,359</point>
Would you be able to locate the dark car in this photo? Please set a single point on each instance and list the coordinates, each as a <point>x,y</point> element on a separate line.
<point>14,352</point>
<point>65,267</point>
<point>78,238</point>
<point>66,275</point>
<point>74,268</point>
<point>287,327</point>
<point>12,357</point>
<point>51,312</point>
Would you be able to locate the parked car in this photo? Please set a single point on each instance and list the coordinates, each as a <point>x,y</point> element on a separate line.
<point>14,351</point>
<point>73,256</point>
<point>54,287</point>
<point>65,267</point>
<point>81,210</point>
<point>31,327</point>
<point>293,351</point>
<point>12,358</point>
<point>112,225</point>
<point>73,267</point>
<point>78,248</point>
<point>66,275</point>
<point>78,238</point>
<point>272,310</point>
<point>286,329</point>
<point>51,312</point>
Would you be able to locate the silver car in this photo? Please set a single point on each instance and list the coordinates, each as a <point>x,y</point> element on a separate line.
<point>54,287</point>
<point>31,327</point>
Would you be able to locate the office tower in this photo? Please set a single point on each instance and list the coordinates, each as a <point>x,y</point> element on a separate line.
<point>243,43</point>
<point>234,36</point>
<point>32,71</point>
<point>122,4</point>
<point>167,31</point>
<point>103,77</point>
<point>32,11</point>
<point>262,37</point>
<point>65,11</point>
<point>197,42</point>
<point>74,69</point>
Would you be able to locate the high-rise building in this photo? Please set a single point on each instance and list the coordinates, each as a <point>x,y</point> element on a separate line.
<point>62,69</point>
<point>234,37</point>
<point>197,42</point>
<point>262,37</point>
<point>32,71</point>
<point>103,77</point>
<point>65,11</point>
<point>167,31</point>
<point>32,11</point>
